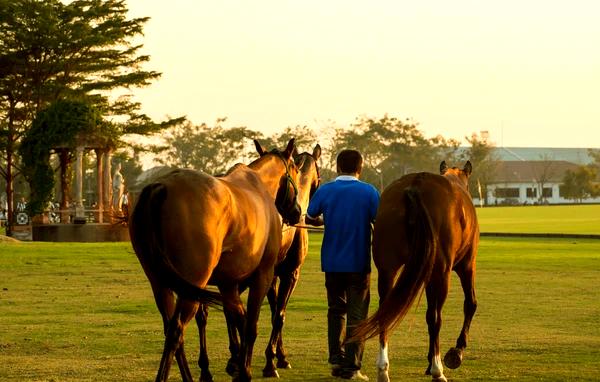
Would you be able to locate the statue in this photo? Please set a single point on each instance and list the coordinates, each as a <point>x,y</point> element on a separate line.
<point>118,187</point>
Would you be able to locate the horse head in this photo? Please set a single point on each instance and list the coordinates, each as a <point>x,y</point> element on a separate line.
<point>310,175</point>
<point>286,197</point>
<point>461,175</point>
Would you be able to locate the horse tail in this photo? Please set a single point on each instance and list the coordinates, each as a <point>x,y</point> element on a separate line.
<point>145,224</point>
<point>414,275</point>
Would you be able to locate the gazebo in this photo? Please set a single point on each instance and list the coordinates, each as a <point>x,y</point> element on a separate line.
<point>83,144</point>
<point>71,129</point>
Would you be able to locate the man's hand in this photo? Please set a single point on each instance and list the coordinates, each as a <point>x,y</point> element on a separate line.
<point>317,222</point>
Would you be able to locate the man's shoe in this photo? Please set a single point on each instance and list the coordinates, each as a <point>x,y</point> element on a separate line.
<point>336,370</point>
<point>356,375</point>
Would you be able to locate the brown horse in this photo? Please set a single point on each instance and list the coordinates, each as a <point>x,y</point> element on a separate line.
<point>426,223</point>
<point>287,272</point>
<point>190,229</point>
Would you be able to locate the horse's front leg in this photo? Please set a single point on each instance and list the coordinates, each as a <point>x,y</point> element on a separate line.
<point>454,356</point>
<point>287,284</point>
<point>269,371</point>
<point>256,294</point>
<point>436,291</point>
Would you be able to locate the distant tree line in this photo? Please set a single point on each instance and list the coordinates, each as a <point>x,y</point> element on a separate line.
<point>391,148</point>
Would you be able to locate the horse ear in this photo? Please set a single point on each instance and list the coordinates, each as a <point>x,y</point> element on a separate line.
<point>468,169</point>
<point>290,148</point>
<point>443,167</point>
<point>317,152</point>
<point>261,151</point>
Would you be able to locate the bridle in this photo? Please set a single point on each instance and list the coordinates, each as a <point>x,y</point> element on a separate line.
<point>288,180</point>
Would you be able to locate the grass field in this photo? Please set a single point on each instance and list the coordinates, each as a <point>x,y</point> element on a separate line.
<point>573,219</point>
<point>84,312</point>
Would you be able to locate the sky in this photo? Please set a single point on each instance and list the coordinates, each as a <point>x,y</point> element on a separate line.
<point>526,71</point>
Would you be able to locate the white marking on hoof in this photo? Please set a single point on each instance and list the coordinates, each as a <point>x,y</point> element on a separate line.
<point>437,370</point>
<point>383,364</point>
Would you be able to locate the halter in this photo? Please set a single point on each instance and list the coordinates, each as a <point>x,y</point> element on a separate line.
<point>289,180</point>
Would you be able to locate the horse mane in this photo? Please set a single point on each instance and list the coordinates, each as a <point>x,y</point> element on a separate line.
<point>233,168</point>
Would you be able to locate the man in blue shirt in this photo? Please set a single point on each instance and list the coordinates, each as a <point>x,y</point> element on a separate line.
<point>347,207</point>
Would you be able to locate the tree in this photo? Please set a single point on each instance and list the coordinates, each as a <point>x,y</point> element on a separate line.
<point>305,138</point>
<point>580,184</point>
<point>391,148</point>
<point>211,149</point>
<point>543,170</point>
<point>481,155</point>
<point>82,50</point>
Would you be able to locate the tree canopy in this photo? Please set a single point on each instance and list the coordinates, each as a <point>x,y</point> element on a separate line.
<point>84,50</point>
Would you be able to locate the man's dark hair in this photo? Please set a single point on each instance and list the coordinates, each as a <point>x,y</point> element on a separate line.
<point>349,161</point>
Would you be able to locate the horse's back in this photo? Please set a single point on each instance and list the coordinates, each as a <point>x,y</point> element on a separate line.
<point>450,209</point>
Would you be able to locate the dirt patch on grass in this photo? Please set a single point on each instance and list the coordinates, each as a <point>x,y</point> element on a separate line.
<point>8,239</point>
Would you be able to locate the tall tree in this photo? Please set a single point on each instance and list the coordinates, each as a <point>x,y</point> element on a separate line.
<point>84,49</point>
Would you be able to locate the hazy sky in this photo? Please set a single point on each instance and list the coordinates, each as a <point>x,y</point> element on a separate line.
<point>527,71</point>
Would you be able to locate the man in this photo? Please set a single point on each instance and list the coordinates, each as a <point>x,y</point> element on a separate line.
<point>347,207</point>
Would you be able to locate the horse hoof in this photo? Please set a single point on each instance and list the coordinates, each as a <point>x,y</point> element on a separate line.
<point>231,368</point>
<point>270,373</point>
<point>206,377</point>
<point>453,358</point>
<point>283,364</point>
<point>241,378</point>
<point>382,376</point>
<point>440,379</point>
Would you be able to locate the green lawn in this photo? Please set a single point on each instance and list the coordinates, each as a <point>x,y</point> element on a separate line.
<point>579,219</point>
<point>84,312</point>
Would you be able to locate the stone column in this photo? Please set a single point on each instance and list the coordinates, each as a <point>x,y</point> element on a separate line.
<point>99,185</point>
<point>107,185</point>
<point>79,212</point>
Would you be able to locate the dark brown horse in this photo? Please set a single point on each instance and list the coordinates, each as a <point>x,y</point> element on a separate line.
<point>427,224</point>
<point>190,230</point>
<point>295,248</point>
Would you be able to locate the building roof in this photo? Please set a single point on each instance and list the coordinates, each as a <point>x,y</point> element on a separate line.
<point>578,156</point>
<point>532,171</point>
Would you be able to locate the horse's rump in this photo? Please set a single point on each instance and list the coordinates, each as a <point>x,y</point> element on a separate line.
<point>146,223</point>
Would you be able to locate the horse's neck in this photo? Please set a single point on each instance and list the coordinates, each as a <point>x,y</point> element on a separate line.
<point>269,171</point>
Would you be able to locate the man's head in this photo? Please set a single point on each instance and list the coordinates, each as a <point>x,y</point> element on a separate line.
<point>349,162</point>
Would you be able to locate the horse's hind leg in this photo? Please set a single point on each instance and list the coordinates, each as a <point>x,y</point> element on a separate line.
<point>203,362</point>
<point>453,357</point>
<point>384,284</point>
<point>174,342</point>
<point>437,291</point>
